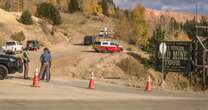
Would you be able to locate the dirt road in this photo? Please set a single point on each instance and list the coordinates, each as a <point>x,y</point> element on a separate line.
<point>74,60</point>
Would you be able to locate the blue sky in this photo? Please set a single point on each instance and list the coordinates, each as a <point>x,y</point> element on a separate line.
<point>176,5</point>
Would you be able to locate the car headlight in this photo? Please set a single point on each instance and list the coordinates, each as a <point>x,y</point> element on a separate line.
<point>12,59</point>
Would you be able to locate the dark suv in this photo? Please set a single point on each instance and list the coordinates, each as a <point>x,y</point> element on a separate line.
<point>89,40</point>
<point>9,65</point>
<point>33,45</point>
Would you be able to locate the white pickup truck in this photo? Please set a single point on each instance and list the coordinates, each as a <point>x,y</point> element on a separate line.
<point>13,47</point>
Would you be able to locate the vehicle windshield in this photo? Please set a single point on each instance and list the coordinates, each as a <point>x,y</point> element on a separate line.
<point>112,43</point>
<point>30,41</point>
<point>10,43</point>
<point>97,43</point>
<point>105,43</point>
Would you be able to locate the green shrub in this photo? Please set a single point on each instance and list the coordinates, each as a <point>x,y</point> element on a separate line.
<point>1,41</point>
<point>26,18</point>
<point>50,12</point>
<point>129,49</point>
<point>73,6</point>
<point>65,34</point>
<point>19,36</point>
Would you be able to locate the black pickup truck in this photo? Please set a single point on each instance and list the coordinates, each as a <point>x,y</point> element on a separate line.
<point>9,65</point>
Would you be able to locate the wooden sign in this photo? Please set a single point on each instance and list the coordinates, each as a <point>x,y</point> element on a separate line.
<point>177,56</point>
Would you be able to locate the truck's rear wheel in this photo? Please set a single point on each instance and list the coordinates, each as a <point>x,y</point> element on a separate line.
<point>96,50</point>
<point>106,50</point>
<point>3,72</point>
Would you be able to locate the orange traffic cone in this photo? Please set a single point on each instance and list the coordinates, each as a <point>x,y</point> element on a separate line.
<point>91,83</point>
<point>36,82</point>
<point>148,84</point>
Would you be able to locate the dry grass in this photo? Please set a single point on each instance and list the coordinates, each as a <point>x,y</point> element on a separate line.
<point>79,24</point>
<point>132,67</point>
<point>2,40</point>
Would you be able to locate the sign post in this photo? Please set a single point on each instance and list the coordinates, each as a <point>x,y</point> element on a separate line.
<point>163,50</point>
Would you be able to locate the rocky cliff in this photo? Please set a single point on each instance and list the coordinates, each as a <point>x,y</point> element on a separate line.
<point>87,6</point>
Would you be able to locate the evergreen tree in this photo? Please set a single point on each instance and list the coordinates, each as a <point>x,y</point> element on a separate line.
<point>173,24</point>
<point>163,20</point>
<point>189,28</point>
<point>106,7</point>
<point>157,38</point>
<point>26,18</point>
<point>49,11</point>
<point>203,22</point>
<point>73,6</point>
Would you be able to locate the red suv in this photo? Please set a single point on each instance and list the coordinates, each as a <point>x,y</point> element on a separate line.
<point>107,46</point>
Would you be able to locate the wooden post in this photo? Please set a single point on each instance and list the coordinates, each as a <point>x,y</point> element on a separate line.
<point>204,68</point>
<point>129,65</point>
<point>189,72</point>
<point>195,55</point>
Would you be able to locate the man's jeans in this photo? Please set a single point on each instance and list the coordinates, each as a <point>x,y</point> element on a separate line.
<point>45,71</point>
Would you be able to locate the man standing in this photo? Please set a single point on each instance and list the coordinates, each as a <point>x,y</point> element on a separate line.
<point>43,75</point>
<point>45,65</point>
<point>26,61</point>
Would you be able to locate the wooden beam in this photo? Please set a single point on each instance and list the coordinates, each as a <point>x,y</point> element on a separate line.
<point>198,37</point>
<point>204,69</point>
<point>201,27</point>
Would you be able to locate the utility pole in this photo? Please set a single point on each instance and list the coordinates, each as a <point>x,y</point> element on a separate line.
<point>196,17</point>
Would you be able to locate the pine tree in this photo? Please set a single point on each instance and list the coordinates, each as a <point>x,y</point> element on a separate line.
<point>49,11</point>
<point>189,28</point>
<point>73,6</point>
<point>173,24</point>
<point>26,18</point>
<point>157,38</point>
<point>106,6</point>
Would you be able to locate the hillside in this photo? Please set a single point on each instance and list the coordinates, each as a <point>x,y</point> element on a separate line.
<point>86,6</point>
<point>153,14</point>
<point>74,26</point>
<point>9,25</point>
